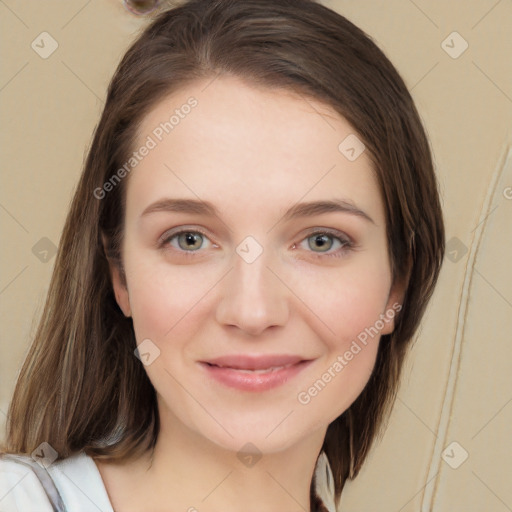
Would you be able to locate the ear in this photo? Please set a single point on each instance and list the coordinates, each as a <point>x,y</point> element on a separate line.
<point>120,290</point>
<point>393,306</point>
<point>118,283</point>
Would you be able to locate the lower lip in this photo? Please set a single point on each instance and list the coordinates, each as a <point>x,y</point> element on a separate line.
<point>245,381</point>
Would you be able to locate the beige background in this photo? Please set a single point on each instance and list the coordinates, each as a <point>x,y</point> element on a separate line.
<point>457,386</point>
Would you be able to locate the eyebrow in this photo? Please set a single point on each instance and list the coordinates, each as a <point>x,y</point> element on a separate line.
<point>312,208</point>
<point>306,209</point>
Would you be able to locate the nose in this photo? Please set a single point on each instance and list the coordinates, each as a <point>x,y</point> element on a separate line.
<point>253,298</point>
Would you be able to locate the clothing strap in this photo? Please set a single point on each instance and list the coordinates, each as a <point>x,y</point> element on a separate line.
<point>43,476</point>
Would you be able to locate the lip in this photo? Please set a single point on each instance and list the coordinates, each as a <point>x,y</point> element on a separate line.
<point>254,373</point>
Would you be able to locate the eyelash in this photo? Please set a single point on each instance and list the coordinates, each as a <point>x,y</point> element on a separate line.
<point>346,243</point>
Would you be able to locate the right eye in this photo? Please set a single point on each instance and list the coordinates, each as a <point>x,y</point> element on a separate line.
<point>185,240</point>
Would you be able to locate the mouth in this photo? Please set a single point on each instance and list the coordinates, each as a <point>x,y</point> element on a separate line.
<point>247,370</point>
<point>254,373</point>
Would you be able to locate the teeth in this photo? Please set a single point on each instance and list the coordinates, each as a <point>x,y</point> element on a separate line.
<point>264,370</point>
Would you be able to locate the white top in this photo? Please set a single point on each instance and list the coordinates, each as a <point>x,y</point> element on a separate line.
<point>80,486</point>
<point>77,479</point>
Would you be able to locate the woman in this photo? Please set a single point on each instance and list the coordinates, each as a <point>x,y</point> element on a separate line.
<point>250,249</point>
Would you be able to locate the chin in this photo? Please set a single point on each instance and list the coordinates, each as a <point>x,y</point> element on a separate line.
<point>261,435</point>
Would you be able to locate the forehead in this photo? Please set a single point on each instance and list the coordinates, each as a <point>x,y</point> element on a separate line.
<point>229,142</point>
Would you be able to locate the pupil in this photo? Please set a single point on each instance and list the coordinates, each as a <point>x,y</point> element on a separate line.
<point>191,240</point>
<point>322,241</point>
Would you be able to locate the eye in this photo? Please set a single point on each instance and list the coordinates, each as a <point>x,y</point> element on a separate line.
<point>186,241</point>
<point>327,244</point>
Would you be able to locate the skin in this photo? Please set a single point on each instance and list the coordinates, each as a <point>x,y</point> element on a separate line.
<point>253,153</point>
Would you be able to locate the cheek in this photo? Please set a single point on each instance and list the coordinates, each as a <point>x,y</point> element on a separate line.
<point>347,300</point>
<point>350,309</point>
<point>163,300</point>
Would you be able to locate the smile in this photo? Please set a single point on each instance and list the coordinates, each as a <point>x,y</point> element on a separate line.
<point>264,370</point>
<point>254,373</point>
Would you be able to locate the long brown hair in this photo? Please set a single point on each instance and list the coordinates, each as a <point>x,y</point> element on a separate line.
<point>81,387</point>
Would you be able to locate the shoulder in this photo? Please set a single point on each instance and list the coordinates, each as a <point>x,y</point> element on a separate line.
<point>20,487</point>
<point>73,483</point>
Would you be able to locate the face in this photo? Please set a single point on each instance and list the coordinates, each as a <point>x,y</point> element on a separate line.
<point>256,264</point>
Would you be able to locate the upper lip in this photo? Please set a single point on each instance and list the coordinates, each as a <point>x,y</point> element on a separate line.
<point>255,362</point>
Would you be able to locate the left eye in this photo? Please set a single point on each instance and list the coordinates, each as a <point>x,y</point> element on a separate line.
<point>322,242</point>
